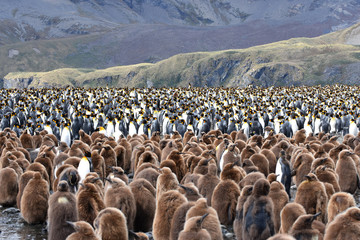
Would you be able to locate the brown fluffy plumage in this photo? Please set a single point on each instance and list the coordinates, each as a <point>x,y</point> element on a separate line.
<point>110,224</point>
<point>345,225</point>
<point>84,231</point>
<point>338,203</point>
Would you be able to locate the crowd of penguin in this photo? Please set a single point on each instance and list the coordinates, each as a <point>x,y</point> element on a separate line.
<point>108,163</point>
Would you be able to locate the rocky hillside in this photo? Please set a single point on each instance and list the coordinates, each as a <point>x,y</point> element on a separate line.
<point>44,35</point>
<point>327,59</point>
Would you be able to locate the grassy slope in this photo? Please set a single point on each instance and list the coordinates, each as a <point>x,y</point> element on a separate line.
<point>304,59</point>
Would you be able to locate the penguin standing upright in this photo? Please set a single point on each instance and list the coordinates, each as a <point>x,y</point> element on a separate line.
<point>283,172</point>
<point>66,134</point>
<point>85,166</point>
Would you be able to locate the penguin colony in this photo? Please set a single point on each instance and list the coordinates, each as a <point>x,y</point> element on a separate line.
<point>116,163</point>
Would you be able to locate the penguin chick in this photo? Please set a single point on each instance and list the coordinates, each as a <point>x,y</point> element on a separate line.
<point>249,166</point>
<point>118,172</point>
<point>328,175</point>
<point>34,201</point>
<point>110,224</point>
<point>24,179</point>
<point>211,223</point>
<point>261,163</point>
<point>280,197</point>
<point>208,182</point>
<point>338,203</point>
<point>151,174</point>
<point>250,179</point>
<point>62,208</point>
<point>190,191</point>
<point>84,231</point>
<point>346,170</point>
<point>9,187</point>
<point>231,171</point>
<point>98,164</point>
<point>144,195</point>
<point>89,202</point>
<point>345,225</point>
<point>109,156</point>
<point>311,194</point>
<point>176,156</point>
<point>224,200</point>
<point>302,228</point>
<point>178,221</point>
<point>167,203</point>
<point>258,212</point>
<point>193,229</point>
<point>289,214</point>
<point>167,180</point>
<point>302,166</point>
<point>239,218</point>
<point>120,196</point>
<point>72,177</point>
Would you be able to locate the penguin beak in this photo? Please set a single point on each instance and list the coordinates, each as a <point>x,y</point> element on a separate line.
<point>71,224</point>
<point>109,180</point>
<point>183,187</point>
<point>307,177</point>
<point>315,216</point>
<point>203,217</point>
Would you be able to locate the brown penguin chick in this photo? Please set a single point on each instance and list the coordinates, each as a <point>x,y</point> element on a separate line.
<point>328,175</point>
<point>271,177</point>
<point>233,172</point>
<point>155,136</point>
<point>345,225</point>
<point>120,152</point>
<point>190,191</point>
<point>38,167</point>
<point>145,166</point>
<point>109,157</point>
<point>328,162</point>
<point>5,159</point>
<point>329,189</point>
<point>302,167</point>
<point>60,158</point>
<point>194,148</point>
<point>230,155</point>
<point>249,166</point>
<point>118,172</point>
<point>111,141</point>
<point>62,208</point>
<point>8,187</point>
<point>347,172</point>
<point>281,236</point>
<point>89,202</point>
<point>247,152</point>
<point>166,181</point>
<point>191,177</point>
<point>241,135</point>
<point>250,179</point>
<point>34,201</point>
<point>239,218</point>
<point>303,229</point>
<point>224,200</point>
<point>98,164</point>
<point>193,229</point>
<point>208,182</point>
<point>202,166</point>
<point>258,212</point>
<point>167,203</point>
<point>73,161</point>
<point>47,141</point>
<point>119,196</point>
<point>282,145</point>
<point>311,194</point>
<point>144,195</point>
<point>170,146</point>
<point>240,144</point>
<point>338,203</point>
<point>83,231</point>
<point>178,220</point>
<point>321,153</point>
<point>136,153</point>
<point>169,164</point>
<point>75,150</point>
<point>24,179</point>
<point>93,178</point>
<point>71,175</point>
<point>187,136</point>
<point>280,198</point>
<point>176,156</point>
<point>289,214</point>
<point>261,163</point>
<point>300,136</point>
<point>84,137</point>
<point>128,151</point>
<point>53,137</point>
<point>334,153</point>
<point>149,174</point>
<point>270,156</point>
<point>47,163</point>
<point>26,140</point>
<point>211,224</point>
<point>111,224</point>
<point>147,156</point>
<point>63,147</point>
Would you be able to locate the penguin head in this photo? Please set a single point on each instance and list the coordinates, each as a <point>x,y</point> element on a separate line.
<point>63,186</point>
<point>261,188</point>
<point>311,177</point>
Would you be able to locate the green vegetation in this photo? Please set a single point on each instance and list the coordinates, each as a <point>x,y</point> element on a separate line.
<point>292,62</point>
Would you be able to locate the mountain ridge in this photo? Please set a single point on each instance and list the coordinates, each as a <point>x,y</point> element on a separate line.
<point>321,60</point>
